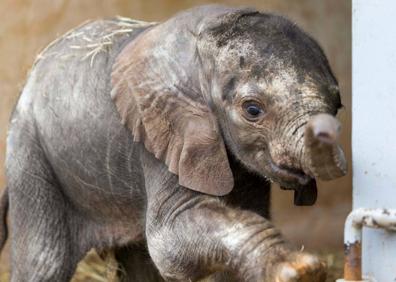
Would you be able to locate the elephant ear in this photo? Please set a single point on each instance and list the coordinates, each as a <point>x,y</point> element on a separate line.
<point>157,102</point>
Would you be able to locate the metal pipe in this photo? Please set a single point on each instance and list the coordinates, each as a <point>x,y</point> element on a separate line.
<point>373,218</point>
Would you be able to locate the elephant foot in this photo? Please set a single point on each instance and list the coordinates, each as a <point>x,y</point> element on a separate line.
<point>301,267</point>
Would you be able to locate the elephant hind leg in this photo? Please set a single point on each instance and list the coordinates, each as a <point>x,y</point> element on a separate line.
<point>135,264</point>
<point>41,242</point>
<point>41,245</point>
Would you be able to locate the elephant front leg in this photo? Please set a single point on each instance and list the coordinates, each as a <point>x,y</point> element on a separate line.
<point>191,235</point>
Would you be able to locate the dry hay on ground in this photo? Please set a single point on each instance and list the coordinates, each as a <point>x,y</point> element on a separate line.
<point>94,269</point>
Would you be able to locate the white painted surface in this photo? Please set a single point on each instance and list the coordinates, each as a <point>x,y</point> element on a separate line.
<point>374,218</point>
<point>374,127</point>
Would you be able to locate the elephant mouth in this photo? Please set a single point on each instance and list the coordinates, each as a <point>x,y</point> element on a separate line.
<point>290,176</point>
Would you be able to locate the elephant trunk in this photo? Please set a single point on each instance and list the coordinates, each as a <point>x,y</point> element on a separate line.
<point>323,157</point>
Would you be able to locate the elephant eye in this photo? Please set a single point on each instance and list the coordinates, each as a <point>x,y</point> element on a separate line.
<point>252,110</point>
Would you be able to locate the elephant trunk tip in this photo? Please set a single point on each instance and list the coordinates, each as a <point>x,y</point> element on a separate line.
<point>325,128</point>
<point>325,158</point>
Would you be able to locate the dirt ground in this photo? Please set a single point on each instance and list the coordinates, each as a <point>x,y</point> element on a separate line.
<point>94,269</point>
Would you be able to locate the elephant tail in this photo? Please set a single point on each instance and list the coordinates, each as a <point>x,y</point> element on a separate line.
<point>3,218</point>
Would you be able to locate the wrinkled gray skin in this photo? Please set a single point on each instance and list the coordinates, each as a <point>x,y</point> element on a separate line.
<point>76,179</point>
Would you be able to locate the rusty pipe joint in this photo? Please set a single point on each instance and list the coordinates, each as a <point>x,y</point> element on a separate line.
<point>356,220</point>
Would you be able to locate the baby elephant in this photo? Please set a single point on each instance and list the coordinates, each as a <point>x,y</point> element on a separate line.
<point>160,141</point>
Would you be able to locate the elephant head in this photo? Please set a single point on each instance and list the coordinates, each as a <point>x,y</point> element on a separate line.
<point>221,81</point>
